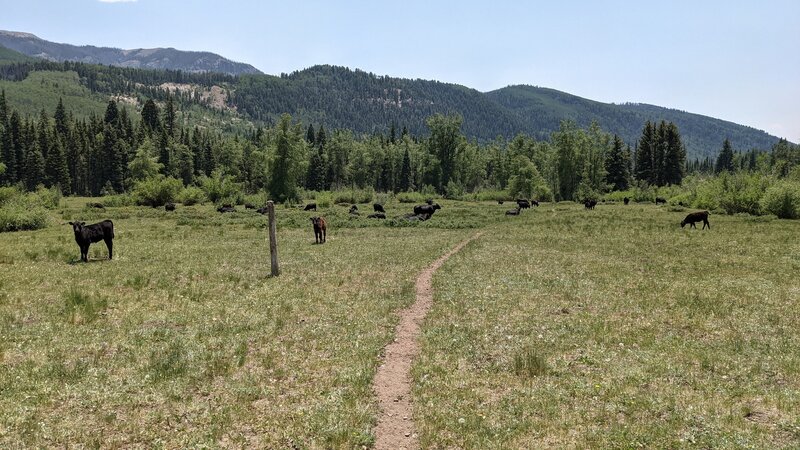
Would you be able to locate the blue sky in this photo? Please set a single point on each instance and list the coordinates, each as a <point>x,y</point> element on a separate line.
<point>735,60</point>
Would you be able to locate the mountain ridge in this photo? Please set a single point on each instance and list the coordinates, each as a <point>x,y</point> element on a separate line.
<point>146,58</point>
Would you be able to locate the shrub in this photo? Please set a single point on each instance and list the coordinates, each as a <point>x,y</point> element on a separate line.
<point>782,199</point>
<point>324,199</point>
<point>354,196</point>
<point>48,197</point>
<point>157,191</point>
<point>114,201</point>
<point>453,190</point>
<point>741,192</point>
<point>8,193</point>
<point>20,214</point>
<point>192,195</point>
<point>220,188</point>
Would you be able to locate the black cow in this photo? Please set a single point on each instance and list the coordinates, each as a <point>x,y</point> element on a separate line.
<point>426,209</point>
<point>378,215</point>
<point>523,203</point>
<point>429,201</point>
<point>95,205</point>
<point>513,212</point>
<point>417,217</point>
<point>249,206</point>
<point>310,207</point>
<point>169,206</point>
<point>226,208</point>
<point>701,216</point>
<point>499,202</point>
<point>534,203</point>
<point>589,204</point>
<point>262,210</point>
<point>86,235</point>
<point>320,229</point>
<point>626,200</point>
<point>660,200</point>
<point>378,208</point>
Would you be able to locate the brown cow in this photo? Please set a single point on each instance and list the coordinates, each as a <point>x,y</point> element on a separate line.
<point>319,229</point>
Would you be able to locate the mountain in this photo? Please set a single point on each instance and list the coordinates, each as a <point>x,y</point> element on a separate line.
<point>342,98</point>
<point>153,58</point>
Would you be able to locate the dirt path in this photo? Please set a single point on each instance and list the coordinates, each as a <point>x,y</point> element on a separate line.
<point>392,383</point>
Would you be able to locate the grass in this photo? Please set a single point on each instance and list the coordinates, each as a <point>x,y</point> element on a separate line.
<point>614,328</point>
<point>558,328</point>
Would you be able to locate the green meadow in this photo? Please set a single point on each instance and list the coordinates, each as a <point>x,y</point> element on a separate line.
<point>559,328</point>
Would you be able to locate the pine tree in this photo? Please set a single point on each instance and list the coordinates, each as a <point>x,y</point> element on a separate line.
<point>406,182</point>
<point>58,171</point>
<point>310,135</point>
<point>169,117</point>
<point>150,118</point>
<point>725,158</point>
<point>34,168</point>
<point>617,166</point>
<point>321,138</point>
<point>7,155</point>
<point>674,167</point>
<point>112,114</point>
<point>60,116</point>
<point>392,134</point>
<point>644,154</point>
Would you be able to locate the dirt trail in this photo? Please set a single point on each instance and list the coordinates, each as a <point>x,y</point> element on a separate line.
<point>392,385</point>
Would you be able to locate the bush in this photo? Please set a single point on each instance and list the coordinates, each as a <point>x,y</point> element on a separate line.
<point>354,196</point>
<point>157,191</point>
<point>782,199</point>
<point>221,189</point>
<point>22,212</point>
<point>114,201</point>
<point>48,197</point>
<point>453,190</point>
<point>324,199</point>
<point>8,193</point>
<point>192,195</point>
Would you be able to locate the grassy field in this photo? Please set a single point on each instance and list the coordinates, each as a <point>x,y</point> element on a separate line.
<point>560,328</point>
<point>615,328</point>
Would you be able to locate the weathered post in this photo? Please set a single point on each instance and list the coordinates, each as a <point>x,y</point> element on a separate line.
<point>273,243</point>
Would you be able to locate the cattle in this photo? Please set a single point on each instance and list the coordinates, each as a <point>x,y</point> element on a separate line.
<point>513,212</point>
<point>417,217</point>
<point>95,205</point>
<point>169,207</point>
<point>660,200</point>
<point>86,235</point>
<point>319,229</point>
<point>534,203</point>
<point>523,203</point>
<point>354,211</point>
<point>378,208</point>
<point>378,215</point>
<point>589,204</point>
<point>426,209</point>
<point>249,206</point>
<point>262,210</point>
<point>499,202</point>
<point>626,200</point>
<point>429,201</point>
<point>226,208</point>
<point>310,207</point>
<point>701,216</point>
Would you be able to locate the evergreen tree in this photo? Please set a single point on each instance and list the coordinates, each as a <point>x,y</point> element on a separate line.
<point>321,138</point>
<point>406,182</point>
<point>60,116</point>
<point>287,165</point>
<point>145,164</point>
<point>7,154</point>
<point>392,134</point>
<point>57,169</point>
<point>150,118</point>
<point>444,144</point>
<point>674,167</point>
<point>315,177</point>
<point>112,114</point>
<point>169,117</point>
<point>34,168</point>
<point>617,166</point>
<point>310,135</point>
<point>725,158</point>
<point>43,135</point>
<point>644,154</point>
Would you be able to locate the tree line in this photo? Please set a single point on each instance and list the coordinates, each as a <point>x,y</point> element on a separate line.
<point>110,154</point>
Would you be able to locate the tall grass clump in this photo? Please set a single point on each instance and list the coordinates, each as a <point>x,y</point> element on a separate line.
<point>528,363</point>
<point>782,199</point>
<point>168,361</point>
<point>157,191</point>
<point>117,200</point>
<point>80,307</point>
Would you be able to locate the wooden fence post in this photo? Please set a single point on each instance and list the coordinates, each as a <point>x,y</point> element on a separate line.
<point>273,243</point>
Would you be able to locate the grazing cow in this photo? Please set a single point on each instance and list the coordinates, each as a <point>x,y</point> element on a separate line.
<point>378,215</point>
<point>589,204</point>
<point>513,212</point>
<point>523,204</point>
<point>249,206</point>
<point>310,207</point>
<point>626,200</point>
<point>426,209</point>
<point>378,208</point>
<point>534,203</point>
<point>95,205</point>
<point>262,210</point>
<point>319,229</point>
<point>499,202</point>
<point>660,200</point>
<point>354,211</point>
<point>169,206</point>
<point>86,235</point>
<point>226,208</point>
<point>697,217</point>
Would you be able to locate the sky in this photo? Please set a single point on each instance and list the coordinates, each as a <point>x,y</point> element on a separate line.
<point>735,60</point>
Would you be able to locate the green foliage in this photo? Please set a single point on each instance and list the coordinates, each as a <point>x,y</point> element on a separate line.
<point>112,201</point>
<point>47,197</point>
<point>353,196</point>
<point>157,191</point>
<point>220,188</point>
<point>782,199</point>
<point>19,211</point>
<point>80,307</point>
<point>411,197</point>
<point>192,195</point>
<point>528,363</point>
<point>324,199</point>
<point>145,164</point>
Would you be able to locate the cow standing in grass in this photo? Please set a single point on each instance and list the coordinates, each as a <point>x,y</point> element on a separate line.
<point>319,229</point>
<point>701,216</point>
<point>86,235</point>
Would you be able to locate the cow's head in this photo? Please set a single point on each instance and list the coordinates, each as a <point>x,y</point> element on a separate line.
<point>77,227</point>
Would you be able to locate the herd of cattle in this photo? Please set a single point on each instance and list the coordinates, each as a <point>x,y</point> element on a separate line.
<point>104,231</point>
